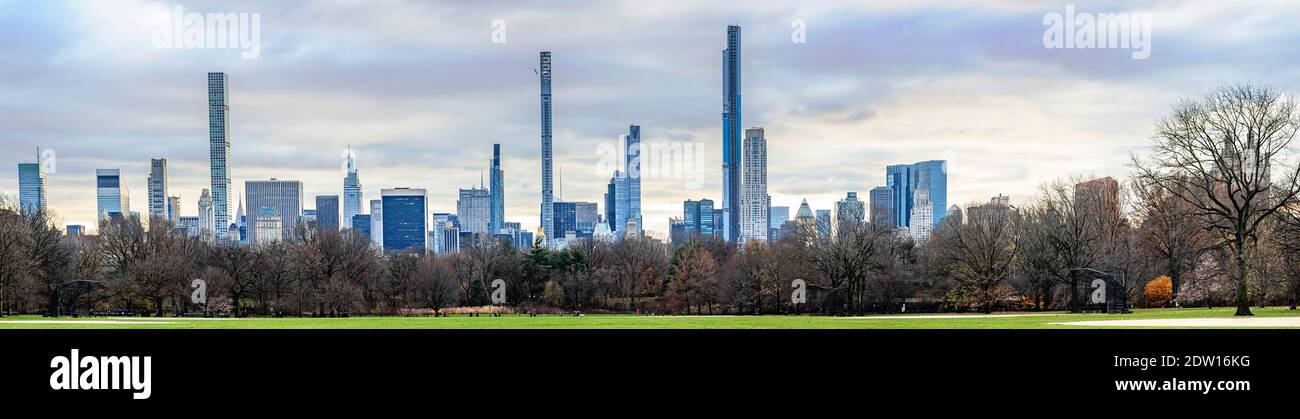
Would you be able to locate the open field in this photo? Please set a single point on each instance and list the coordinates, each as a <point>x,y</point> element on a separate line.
<point>1149,318</point>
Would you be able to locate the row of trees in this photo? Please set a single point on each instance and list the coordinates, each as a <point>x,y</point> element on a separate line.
<point>1215,209</point>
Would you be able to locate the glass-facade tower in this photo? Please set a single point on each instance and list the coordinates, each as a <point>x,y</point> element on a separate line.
<point>731,135</point>
<point>158,190</point>
<point>548,196</point>
<point>219,150</point>
<point>906,179</point>
<point>31,187</point>
<point>497,189</point>
<point>405,215</point>
<point>351,193</point>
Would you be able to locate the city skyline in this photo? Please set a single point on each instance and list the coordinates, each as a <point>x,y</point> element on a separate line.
<point>846,108</point>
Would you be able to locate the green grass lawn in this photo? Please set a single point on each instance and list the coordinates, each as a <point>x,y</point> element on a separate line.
<point>920,321</point>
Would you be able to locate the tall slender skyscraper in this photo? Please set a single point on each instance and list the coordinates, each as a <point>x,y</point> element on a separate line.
<point>498,192</point>
<point>754,199</point>
<point>548,196</point>
<point>31,186</point>
<point>219,150</point>
<point>632,163</point>
<point>611,202</point>
<point>158,190</point>
<point>731,123</point>
<point>351,192</point>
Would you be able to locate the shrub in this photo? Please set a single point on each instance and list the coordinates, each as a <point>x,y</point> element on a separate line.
<point>1159,291</point>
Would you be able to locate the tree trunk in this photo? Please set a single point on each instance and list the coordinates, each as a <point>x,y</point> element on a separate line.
<point>1175,280</point>
<point>1243,292</point>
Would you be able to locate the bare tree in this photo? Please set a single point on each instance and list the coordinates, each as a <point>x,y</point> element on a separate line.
<point>754,268</point>
<point>238,266</point>
<point>1169,231</point>
<point>1286,239</point>
<point>14,264</point>
<point>634,267</point>
<point>482,260</point>
<point>978,255</point>
<point>694,279</point>
<point>1225,156</point>
<point>844,256</point>
<point>435,283</point>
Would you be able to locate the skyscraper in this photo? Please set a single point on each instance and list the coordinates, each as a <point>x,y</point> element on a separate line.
<point>190,224</point>
<point>361,224</point>
<point>906,179</point>
<point>731,123</point>
<point>997,208</point>
<point>824,221</point>
<point>282,197</point>
<point>566,219</point>
<point>406,219</point>
<point>158,190</point>
<point>850,208</point>
<point>753,199</point>
<point>622,208</point>
<point>446,233</point>
<point>576,218</point>
<point>882,206</point>
<point>923,214</point>
<point>31,186</point>
<point>548,196</point>
<point>327,212</point>
<point>677,231</point>
<point>474,208</point>
<point>697,218</point>
<point>207,222</point>
<point>498,190</point>
<point>377,222</point>
<point>954,215</point>
<point>219,150</point>
<point>611,202</point>
<point>174,210</point>
<point>632,166</point>
<point>1098,201</point>
<point>586,216</point>
<point>112,195</point>
<point>351,192</point>
<point>804,218</point>
<point>778,216</point>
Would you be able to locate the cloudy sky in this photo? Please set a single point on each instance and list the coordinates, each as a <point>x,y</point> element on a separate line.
<point>421,91</point>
